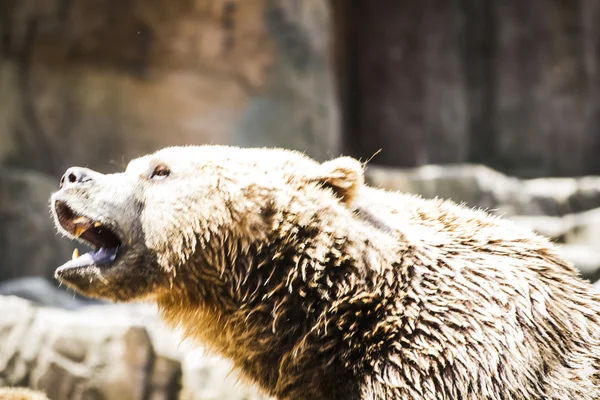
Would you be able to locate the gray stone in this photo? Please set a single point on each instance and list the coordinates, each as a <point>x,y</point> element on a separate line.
<point>42,292</point>
<point>15,321</point>
<point>184,72</point>
<point>120,352</point>
<point>480,186</point>
<point>166,379</point>
<point>298,108</point>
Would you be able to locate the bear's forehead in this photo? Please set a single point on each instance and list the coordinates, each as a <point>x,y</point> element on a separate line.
<point>196,157</point>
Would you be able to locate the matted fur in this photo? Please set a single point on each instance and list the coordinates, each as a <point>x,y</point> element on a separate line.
<point>319,287</point>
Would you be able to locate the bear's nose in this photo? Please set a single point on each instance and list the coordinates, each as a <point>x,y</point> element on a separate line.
<point>75,176</point>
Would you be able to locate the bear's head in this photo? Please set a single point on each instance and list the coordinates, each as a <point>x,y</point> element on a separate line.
<point>191,213</point>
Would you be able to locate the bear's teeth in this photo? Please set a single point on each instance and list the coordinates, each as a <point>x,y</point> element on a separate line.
<point>75,254</point>
<point>82,224</point>
<point>80,229</point>
<point>81,220</point>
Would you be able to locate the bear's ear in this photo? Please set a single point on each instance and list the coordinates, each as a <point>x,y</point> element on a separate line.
<point>343,175</point>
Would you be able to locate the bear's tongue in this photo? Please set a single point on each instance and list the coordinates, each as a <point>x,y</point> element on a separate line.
<point>101,256</point>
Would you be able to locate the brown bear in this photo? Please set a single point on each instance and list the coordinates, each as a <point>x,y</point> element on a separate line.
<point>317,286</point>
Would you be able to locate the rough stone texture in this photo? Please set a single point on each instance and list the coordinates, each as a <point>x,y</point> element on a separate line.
<point>546,70</point>
<point>408,82</point>
<point>480,186</point>
<point>29,244</point>
<point>510,83</point>
<point>42,292</point>
<point>120,352</point>
<point>184,72</point>
<point>514,84</point>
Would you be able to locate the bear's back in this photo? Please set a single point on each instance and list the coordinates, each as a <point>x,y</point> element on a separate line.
<point>489,307</point>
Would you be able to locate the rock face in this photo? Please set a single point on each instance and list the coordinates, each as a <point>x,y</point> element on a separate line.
<point>184,72</point>
<point>106,352</point>
<point>480,186</point>
<point>511,83</point>
<point>41,291</point>
<point>77,358</point>
<point>29,244</point>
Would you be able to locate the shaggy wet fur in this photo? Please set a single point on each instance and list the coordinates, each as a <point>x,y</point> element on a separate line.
<point>319,287</point>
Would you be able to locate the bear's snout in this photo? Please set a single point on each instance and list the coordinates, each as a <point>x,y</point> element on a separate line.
<point>75,176</point>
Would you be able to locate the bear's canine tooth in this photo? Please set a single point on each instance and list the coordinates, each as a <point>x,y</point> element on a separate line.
<point>80,229</point>
<point>82,224</point>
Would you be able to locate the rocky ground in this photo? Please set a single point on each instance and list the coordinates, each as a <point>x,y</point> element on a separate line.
<point>74,348</point>
<point>107,352</point>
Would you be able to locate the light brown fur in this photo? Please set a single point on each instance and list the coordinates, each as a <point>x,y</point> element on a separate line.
<point>319,287</point>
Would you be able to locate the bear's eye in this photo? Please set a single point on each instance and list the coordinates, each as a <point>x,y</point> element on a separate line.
<point>160,172</point>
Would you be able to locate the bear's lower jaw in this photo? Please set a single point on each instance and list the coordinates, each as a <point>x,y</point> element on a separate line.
<point>102,257</point>
<point>83,279</point>
<point>95,282</point>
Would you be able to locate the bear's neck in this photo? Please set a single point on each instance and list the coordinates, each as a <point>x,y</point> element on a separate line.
<point>289,307</point>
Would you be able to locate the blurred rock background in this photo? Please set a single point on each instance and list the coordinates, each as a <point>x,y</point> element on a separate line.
<point>494,103</point>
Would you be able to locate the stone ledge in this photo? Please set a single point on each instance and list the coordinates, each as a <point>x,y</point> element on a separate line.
<point>108,352</point>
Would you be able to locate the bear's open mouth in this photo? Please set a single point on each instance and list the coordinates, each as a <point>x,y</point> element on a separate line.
<point>98,235</point>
